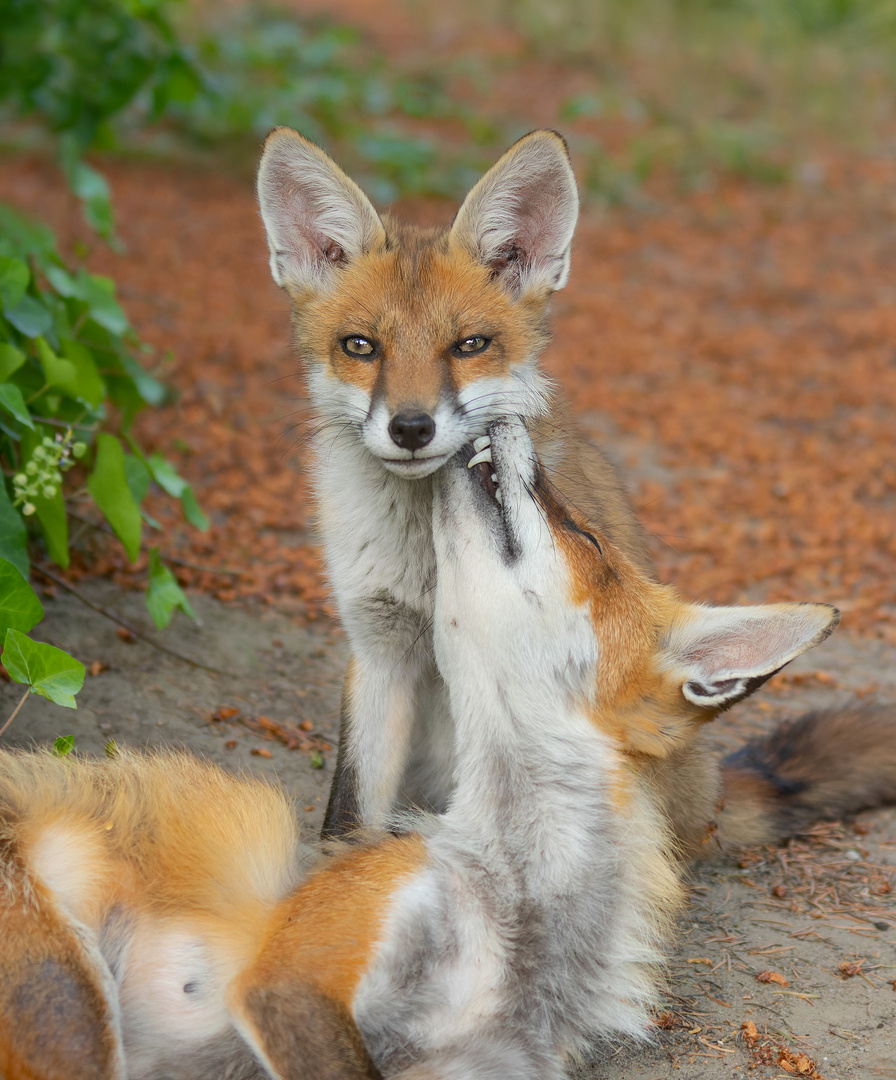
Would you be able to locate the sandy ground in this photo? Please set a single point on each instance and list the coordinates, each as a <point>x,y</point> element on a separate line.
<point>274,675</point>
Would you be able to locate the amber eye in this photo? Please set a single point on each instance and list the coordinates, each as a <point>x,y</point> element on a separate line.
<point>363,347</point>
<point>468,346</point>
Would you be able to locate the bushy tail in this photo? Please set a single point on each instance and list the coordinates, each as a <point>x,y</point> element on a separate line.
<point>822,765</point>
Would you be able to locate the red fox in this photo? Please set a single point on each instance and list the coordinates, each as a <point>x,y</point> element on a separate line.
<point>159,918</point>
<point>413,340</point>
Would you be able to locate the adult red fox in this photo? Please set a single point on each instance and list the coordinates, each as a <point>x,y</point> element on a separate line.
<point>159,918</point>
<point>413,341</point>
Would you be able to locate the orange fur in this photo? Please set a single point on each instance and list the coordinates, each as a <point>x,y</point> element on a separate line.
<point>634,703</point>
<point>417,296</point>
<point>174,846</point>
<point>326,933</point>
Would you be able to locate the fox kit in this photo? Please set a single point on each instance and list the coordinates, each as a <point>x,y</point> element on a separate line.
<point>412,341</point>
<point>158,920</point>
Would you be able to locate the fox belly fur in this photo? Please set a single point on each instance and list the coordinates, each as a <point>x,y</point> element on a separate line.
<point>412,341</point>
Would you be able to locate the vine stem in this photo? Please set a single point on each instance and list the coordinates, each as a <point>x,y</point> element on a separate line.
<point>100,610</point>
<point>15,711</point>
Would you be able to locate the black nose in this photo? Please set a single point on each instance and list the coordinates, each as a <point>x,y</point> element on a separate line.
<point>410,431</point>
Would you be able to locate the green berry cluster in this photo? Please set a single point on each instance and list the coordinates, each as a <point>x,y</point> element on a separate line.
<point>42,475</point>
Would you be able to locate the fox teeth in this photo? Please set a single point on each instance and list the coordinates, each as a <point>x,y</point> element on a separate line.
<point>498,496</point>
<point>481,443</point>
<point>484,455</point>
<point>494,478</point>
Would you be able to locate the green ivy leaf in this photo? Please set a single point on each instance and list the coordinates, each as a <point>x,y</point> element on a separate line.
<point>62,281</point>
<point>108,486</point>
<point>96,291</point>
<point>168,479</point>
<point>166,476</point>
<point>49,671</point>
<point>11,359</point>
<point>92,188</point>
<point>14,278</point>
<point>54,525</point>
<point>11,399</point>
<point>150,390</point>
<point>19,605</point>
<point>63,746</point>
<point>164,594</point>
<point>24,235</point>
<point>13,535</point>
<point>88,386</point>
<point>137,476</point>
<point>29,317</point>
<point>192,511</point>
<point>99,295</point>
<point>75,375</point>
<point>57,372</point>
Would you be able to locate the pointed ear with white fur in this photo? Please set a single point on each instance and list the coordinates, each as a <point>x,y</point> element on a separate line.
<point>316,218</point>
<point>520,217</point>
<point>721,655</point>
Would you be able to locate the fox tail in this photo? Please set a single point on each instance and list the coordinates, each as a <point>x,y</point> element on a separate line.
<point>824,764</point>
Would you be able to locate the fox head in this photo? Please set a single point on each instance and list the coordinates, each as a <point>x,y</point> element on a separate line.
<point>562,614</point>
<point>416,339</point>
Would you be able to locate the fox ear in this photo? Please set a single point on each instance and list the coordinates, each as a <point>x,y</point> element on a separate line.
<point>316,218</point>
<point>58,1009</point>
<point>293,1028</point>
<point>520,217</point>
<point>721,655</point>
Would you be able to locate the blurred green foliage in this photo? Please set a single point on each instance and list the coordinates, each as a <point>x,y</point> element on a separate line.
<point>76,66</point>
<point>260,67</point>
<point>70,379</point>
<point>112,74</point>
<point>704,87</point>
<point>69,370</point>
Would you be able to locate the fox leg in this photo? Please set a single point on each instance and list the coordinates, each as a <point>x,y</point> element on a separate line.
<point>379,702</point>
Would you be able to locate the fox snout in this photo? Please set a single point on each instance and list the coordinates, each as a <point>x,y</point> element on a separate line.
<point>412,431</point>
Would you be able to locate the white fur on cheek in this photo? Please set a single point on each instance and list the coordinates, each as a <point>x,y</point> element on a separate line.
<point>524,391</point>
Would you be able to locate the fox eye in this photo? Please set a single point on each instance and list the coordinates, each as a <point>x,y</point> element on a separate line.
<point>571,525</point>
<point>474,344</point>
<point>356,345</point>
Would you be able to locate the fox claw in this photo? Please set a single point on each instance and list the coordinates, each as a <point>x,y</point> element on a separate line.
<point>485,454</point>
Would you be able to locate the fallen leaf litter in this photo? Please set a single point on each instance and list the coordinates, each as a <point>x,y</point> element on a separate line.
<point>742,338</point>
